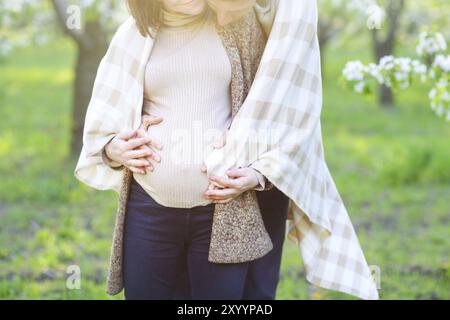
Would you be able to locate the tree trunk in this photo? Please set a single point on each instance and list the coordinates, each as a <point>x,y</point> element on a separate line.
<point>87,63</point>
<point>386,46</point>
<point>325,33</point>
<point>323,41</point>
<point>92,44</point>
<point>386,98</point>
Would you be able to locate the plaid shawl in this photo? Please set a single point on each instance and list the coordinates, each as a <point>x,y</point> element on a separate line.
<point>284,99</point>
<point>277,130</point>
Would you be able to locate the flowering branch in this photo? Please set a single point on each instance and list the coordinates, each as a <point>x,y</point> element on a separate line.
<point>399,73</point>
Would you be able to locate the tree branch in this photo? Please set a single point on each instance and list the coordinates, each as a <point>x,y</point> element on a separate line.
<point>60,7</point>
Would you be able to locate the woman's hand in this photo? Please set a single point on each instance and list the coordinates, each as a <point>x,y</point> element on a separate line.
<point>135,149</point>
<point>147,121</point>
<point>225,189</point>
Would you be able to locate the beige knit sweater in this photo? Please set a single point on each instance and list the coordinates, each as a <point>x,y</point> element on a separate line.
<point>187,83</point>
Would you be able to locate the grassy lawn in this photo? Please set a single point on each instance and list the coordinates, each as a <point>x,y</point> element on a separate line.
<point>390,166</point>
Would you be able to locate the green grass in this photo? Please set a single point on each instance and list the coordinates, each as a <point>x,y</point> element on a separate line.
<point>390,166</point>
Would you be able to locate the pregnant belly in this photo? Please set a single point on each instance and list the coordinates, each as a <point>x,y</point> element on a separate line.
<point>177,181</point>
<point>178,184</point>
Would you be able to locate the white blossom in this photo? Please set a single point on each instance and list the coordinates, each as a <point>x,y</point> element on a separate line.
<point>354,71</point>
<point>387,62</point>
<point>430,43</point>
<point>398,72</point>
<point>359,87</point>
<point>374,71</point>
<point>442,62</point>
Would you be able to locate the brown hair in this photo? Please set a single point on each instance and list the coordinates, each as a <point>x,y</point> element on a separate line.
<point>146,13</point>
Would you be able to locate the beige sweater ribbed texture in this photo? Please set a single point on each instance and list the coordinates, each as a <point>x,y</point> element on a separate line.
<point>187,83</point>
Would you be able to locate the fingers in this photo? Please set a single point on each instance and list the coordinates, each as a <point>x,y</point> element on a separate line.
<point>146,152</point>
<point>154,156</point>
<point>139,163</point>
<point>212,186</point>
<point>149,120</point>
<point>141,132</point>
<point>154,143</point>
<point>247,176</point>
<point>236,173</point>
<point>137,170</point>
<point>225,182</point>
<point>220,142</point>
<point>126,135</point>
<point>221,194</point>
<point>203,168</point>
<point>137,142</point>
<point>218,199</point>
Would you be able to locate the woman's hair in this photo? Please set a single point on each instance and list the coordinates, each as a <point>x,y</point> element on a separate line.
<point>146,13</point>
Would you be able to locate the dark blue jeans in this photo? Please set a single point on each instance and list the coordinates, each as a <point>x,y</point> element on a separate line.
<point>166,252</point>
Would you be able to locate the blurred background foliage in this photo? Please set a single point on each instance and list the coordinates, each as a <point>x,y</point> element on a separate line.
<point>390,158</point>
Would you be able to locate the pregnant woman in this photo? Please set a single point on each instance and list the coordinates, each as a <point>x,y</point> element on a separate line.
<point>170,206</point>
